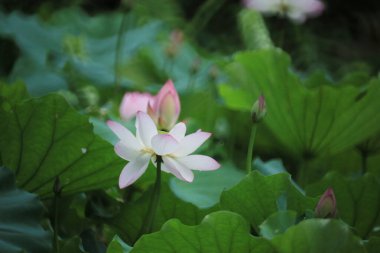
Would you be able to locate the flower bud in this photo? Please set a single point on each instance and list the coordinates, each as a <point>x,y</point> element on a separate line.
<point>132,103</point>
<point>164,109</point>
<point>326,207</point>
<point>259,110</point>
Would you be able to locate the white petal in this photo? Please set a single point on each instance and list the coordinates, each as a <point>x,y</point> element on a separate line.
<point>198,162</point>
<point>125,151</point>
<point>124,135</point>
<point>267,6</point>
<point>191,142</point>
<point>133,170</point>
<point>145,129</point>
<point>178,170</point>
<point>164,144</point>
<point>178,131</point>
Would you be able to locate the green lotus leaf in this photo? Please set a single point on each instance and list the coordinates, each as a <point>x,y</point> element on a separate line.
<point>219,232</point>
<point>45,139</point>
<point>308,121</point>
<point>257,196</point>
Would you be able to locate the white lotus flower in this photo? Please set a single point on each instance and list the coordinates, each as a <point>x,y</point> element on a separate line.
<point>297,10</point>
<point>174,147</point>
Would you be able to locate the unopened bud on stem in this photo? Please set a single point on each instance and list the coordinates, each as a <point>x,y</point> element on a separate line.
<point>259,110</point>
<point>326,207</point>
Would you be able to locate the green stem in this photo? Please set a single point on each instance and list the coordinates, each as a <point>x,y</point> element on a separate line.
<point>56,243</point>
<point>250,148</point>
<point>154,201</point>
<point>118,53</point>
<point>57,193</point>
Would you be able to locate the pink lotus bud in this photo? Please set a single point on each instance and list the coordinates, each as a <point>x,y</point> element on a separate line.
<point>165,107</point>
<point>259,110</point>
<point>326,207</point>
<point>132,103</point>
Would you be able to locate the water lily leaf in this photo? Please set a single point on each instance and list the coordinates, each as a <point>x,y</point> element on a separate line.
<point>309,122</point>
<point>318,235</point>
<point>256,197</point>
<point>219,232</point>
<point>20,213</point>
<point>45,138</point>
<point>129,220</point>
<point>358,200</point>
<point>207,187</point>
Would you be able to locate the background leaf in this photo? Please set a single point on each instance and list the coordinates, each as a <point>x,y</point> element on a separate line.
<point>207,187</point>
<point>318,235</point>
<point>256,197</point>
<point>309,122</point>
<point>20,216</point>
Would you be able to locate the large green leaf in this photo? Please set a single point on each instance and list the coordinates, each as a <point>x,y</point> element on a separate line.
<point>256,197</point>
<point>316,236</point>
<point>131,216</point>
<point>358,201</point>
<point>45,138</point>
<point>309,122</point>
<point>219,232</point>
<point>20,214</point>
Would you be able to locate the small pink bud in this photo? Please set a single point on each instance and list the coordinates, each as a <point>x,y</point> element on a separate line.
<point>326,207</point>
<point>132,103</point>
<point>165,108</point>
<point>259,110</point>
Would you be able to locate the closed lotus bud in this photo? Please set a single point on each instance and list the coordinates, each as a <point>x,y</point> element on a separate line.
<point>259,110</point>
<point>132,103</point>
<point>326,207</point>
<point>165,108</point>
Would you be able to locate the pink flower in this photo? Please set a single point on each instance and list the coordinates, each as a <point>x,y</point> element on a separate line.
<point>164,109</point>
<point>132,103</point>
<point>326,207</point>
<point>174,147</point>
<point>297,10</point>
